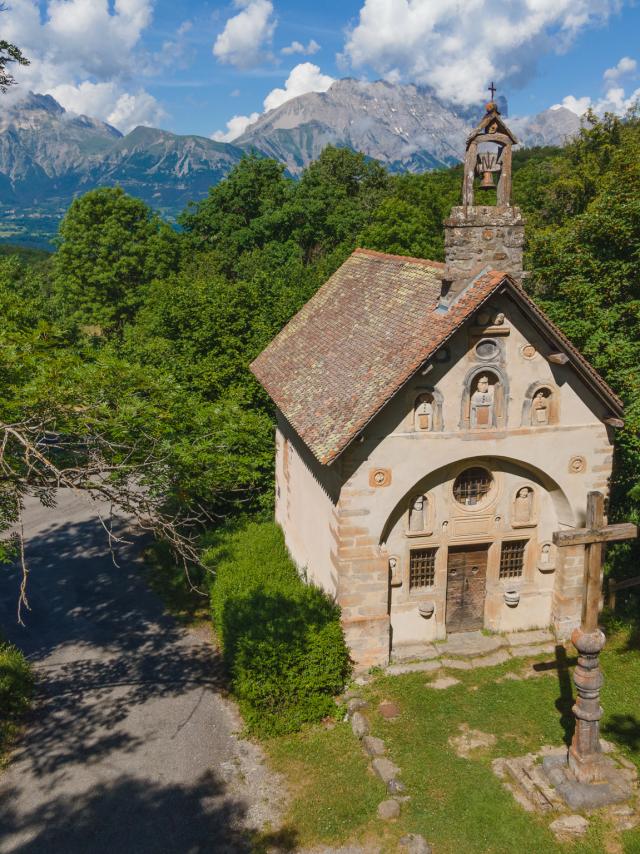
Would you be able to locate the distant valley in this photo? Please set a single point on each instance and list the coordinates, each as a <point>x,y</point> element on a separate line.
<point>48,156</point>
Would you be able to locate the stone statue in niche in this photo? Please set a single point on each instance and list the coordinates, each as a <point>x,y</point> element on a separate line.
<point>540,408</point>
<point>523,506</point>
<point>394,571</point>
<point>424,412</point>
<point>482,404</point>
<point>546,561</point>
<point>418,514</point>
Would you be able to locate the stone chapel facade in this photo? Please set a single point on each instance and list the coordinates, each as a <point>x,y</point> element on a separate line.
<point>434,430</point>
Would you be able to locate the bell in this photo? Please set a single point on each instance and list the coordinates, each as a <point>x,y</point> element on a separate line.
<point>487,181</point>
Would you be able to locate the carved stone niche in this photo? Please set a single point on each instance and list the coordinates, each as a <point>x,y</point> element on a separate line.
<point>395,571</point>
<point>483,400</point>
<point>523,508</point>
<point>541,406</point>
<point>427,411</point>
<point>546,557</point>
<point>420,516</point>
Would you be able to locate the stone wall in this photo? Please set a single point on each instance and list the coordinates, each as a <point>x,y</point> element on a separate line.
<point>482,236</point>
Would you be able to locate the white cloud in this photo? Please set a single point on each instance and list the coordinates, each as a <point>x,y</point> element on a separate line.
<point>624,67</point>
<point>298,47</point>
<point>459,47</point>
<point>246,35</point>
<point>579,106</point>
<point>84,54</point>
<point>304,78</point>
<point>236,126</point>
<point>614,101</point>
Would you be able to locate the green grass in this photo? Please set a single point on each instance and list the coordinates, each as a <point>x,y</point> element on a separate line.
<point>16,687</point>
<point>458,804</point>
<point>334,795</point>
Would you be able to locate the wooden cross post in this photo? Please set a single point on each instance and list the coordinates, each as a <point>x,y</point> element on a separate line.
<point>585,752</point>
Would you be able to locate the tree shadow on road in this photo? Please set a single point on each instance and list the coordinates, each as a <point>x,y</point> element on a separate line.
<point>131,816</point>
<point>101,645</point>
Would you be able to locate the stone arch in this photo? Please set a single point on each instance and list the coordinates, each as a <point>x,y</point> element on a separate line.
<point>560,502</point>
<point>499,381</point>
<point>551,393</point>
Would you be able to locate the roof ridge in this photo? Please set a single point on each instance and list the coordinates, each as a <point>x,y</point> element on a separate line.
<point>409,259</point>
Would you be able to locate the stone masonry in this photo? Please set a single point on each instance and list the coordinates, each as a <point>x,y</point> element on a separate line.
<point>482,236</point>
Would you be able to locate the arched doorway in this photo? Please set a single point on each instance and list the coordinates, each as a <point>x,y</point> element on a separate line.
<point>469,547</point>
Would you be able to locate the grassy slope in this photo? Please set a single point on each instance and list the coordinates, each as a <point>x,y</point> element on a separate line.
<point>457,804</point>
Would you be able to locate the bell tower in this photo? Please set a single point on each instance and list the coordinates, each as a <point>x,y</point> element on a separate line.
<point>481,236</point>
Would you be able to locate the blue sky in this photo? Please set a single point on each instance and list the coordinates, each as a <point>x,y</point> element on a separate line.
<point>191,66</point>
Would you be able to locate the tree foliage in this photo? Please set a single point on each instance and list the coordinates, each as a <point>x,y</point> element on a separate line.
<point>131,344</point>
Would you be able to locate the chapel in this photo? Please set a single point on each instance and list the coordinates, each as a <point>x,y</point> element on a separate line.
<point>435,429</point>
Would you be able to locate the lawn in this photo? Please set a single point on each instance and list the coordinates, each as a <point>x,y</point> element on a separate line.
<point>457,804</point>
<point>16,685</point>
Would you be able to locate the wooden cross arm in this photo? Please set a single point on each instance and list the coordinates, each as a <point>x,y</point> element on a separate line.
<point>586,536</point>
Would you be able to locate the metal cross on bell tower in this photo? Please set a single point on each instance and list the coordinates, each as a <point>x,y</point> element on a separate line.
<point>493,90</point>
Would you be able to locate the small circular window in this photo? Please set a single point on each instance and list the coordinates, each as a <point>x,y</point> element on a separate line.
<point>471,486</point>
<point>487,349</point>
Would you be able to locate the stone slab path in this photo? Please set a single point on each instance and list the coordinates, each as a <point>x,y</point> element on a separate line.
<point>131,746</point>
<point>469,650</point>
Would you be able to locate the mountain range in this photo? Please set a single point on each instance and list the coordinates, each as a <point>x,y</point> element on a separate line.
<point>48,155</point>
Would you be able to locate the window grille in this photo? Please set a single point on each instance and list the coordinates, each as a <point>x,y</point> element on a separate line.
<point>422,568</point>
<point>512,558</point>
<point>471,486</point>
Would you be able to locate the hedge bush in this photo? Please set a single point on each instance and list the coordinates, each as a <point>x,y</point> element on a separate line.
<point>16,686</point>
<point>281,638</point>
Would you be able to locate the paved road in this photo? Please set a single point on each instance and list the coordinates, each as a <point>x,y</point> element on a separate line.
<point>131,746</point>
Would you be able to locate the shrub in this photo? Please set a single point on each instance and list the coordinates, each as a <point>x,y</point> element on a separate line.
<point>281,638</point>
<point>16,685</point>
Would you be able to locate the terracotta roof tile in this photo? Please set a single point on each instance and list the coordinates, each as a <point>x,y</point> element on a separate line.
<point>360,338</point>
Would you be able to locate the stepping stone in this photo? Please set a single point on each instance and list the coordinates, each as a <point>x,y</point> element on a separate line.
<point>442,683</point>
<point>491,660</point>
<point>471,643</point>
<point>456,664</point>
<point>359,725</point>
<point>373,746</point>
<point>528,638</point>
<point>389,810</point>
<point>414,667</point>
<point>385,769</point>
<point>389,710</point>
<point>355,704</point>
<point>569,827</point>
<point>469,740</point>
<point>413,843</point>
<point>541,649</point>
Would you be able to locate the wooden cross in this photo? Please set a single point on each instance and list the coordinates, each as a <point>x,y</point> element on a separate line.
<point>585,759</point>
<point>492,89</point>
<point>592,537</point>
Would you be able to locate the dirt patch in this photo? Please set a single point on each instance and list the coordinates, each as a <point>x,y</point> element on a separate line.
<point>470,740</point>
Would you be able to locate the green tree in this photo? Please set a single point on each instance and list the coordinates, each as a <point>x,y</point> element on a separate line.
<point>111,247</point>
<point>9,54</point>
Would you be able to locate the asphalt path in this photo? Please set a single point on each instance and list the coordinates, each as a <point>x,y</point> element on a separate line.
<point>132,745</point>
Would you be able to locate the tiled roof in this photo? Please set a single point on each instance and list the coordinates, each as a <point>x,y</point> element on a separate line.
<point>360,338</point>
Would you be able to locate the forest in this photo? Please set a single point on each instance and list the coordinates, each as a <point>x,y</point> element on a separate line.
<point>125,352</point>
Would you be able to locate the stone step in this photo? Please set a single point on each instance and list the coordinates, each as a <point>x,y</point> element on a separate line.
<point>530,651</point>
<point>530,638</point>
<point>413,667</point>
<point>414,652</point>
<point>470,644</point>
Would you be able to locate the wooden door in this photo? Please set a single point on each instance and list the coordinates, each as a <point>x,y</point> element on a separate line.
<point>466,584</point>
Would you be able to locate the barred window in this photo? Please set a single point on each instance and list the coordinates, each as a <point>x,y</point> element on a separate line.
<point>512,558</point>
<point>422,568</point>
<point>472,485</point>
